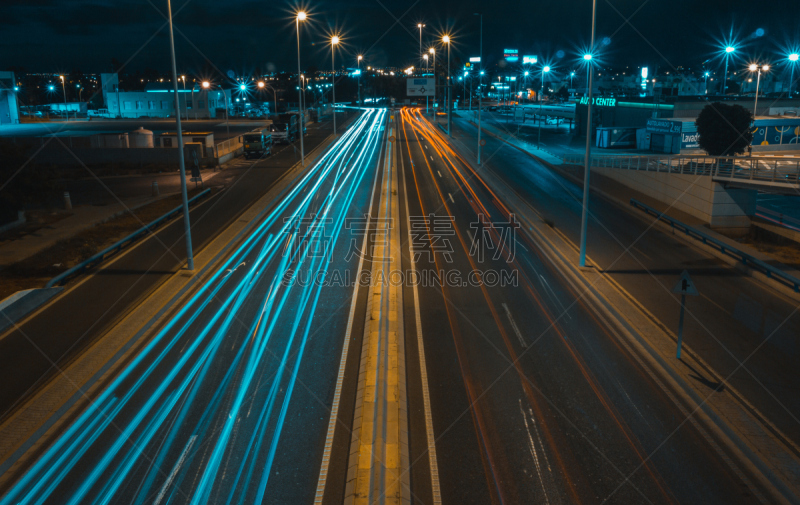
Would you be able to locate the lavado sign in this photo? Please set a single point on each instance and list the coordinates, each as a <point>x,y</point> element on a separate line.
<point>602,102</point>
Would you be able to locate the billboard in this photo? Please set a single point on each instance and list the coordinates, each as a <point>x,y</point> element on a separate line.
<point>530,59</point>
<point>475,59</point>
<point>419,86</point>
<point>511,54</point>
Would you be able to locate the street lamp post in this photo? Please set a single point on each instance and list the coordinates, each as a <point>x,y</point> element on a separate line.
<point>425,57</point>
<point>705,85</point>
<point>433,52</point>
<point>334,41</point>
<point>301,16</point>
<point>184,196</point>
<point>207,85</point>
<point>80,92</point>
<point>64,88</point>
<point>587,161</point>
<point>420,26</point>
<point>446,40</point>
<point>545,69</point>
<point>793,58</point>
<point>359,79</point>
<point>571,75</point>
<point>757,68</point>
<point>183,78</point>
<point>728,51</point>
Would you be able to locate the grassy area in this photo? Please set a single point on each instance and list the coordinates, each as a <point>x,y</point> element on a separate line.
<point>35,271</point>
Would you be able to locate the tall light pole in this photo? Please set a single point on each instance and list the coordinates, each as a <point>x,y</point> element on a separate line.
<point>262,85</point>
<point>186,228</point>
<point>301,16</point>
<point>64,88</point>
<point>545,69</point>
<point>757,68</point>
<point>480,82</point>
<point>183,78</point>
<point>433,52</point>
<point>446,40</point>
<point>425,57</point>
<point>80,92</point>
<point>359,79</point>
<point>587,161</point>
<point>705,85</point>
<point>571,75</point>
<point>793,58</point>
<point>207,85</point>
<point>420,26</point>
<point>728,52</point>
<point>334,41</point>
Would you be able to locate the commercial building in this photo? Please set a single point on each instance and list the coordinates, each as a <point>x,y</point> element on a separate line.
<point>157,101</point>
<point>668,125</point>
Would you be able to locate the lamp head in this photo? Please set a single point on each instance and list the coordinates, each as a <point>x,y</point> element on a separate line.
<point>587,57</point>
<point>206,84</point>
<point>730,49</point>
<point>446,39</point>
<point>260,84</point>
<point>794,57</point>
<point>334,40</point>
<point>546,69</point>
<point>753,67</point>
<point>301,16</point>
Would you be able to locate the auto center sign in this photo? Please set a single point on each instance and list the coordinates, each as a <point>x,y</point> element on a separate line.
<point>419,86</point>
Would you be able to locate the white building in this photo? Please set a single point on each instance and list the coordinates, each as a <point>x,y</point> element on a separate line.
<point>9,107</point>
<point>157,100</point>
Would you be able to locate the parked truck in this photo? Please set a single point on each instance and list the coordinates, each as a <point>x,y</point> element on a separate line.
<point>257,143</point>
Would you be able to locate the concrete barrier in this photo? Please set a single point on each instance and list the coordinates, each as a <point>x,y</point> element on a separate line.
<point>696,195</point>
<point>22,303</point>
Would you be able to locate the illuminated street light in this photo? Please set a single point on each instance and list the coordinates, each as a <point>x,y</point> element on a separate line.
<point>729,50</point>
<point>420,26</point>
<point>260,84</point>
<point>64,87</point>
<point>754,67</point>
<point>334,41</point>
<point>793,58</point>
<point>301,16</point>
<point>446,40</point>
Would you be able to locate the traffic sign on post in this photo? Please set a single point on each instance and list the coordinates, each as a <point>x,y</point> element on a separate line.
<point>419,86</point>
<point>684,286</point>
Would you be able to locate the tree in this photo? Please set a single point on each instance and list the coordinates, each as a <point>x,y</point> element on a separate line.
<point>724,130</point>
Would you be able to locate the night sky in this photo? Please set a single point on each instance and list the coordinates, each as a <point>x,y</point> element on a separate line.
<point>242,35</point>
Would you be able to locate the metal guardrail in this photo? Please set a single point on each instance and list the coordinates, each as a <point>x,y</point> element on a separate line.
<point>771,171</point>
<point>116,247</point>
<point>778,218</point>
<point>746,259</point>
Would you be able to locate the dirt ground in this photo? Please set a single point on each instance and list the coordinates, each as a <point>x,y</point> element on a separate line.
<point>36,271</point>
<point>781,248</point>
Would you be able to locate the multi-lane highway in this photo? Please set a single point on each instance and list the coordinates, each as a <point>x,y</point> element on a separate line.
<point>278,380</point>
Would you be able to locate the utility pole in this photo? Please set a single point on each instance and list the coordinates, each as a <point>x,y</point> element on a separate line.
<point>301,16</point>
<point>587,161</point>
<point>184,197</point>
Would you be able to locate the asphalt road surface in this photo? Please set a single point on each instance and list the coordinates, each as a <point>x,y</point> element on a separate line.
<point>533,400</point>
<point>228,402</point>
